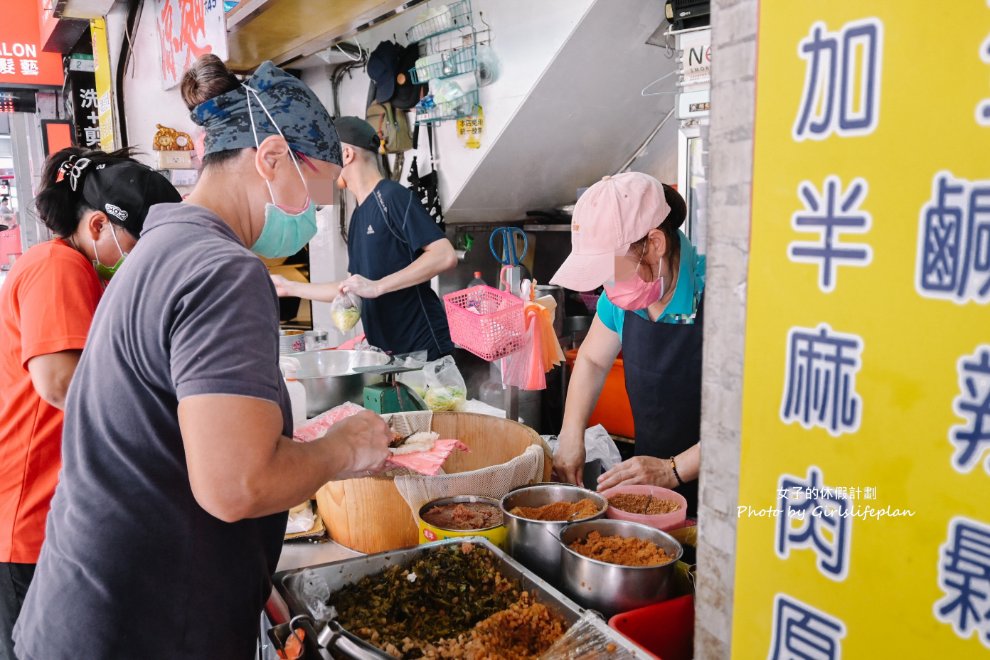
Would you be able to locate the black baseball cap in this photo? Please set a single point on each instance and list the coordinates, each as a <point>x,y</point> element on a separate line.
<point>357,132</point>
<point>125,191</point>
<point>383,65</point>
<point>407,94</point>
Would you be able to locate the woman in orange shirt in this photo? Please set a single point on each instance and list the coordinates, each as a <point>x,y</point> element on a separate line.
<point>95,203</point>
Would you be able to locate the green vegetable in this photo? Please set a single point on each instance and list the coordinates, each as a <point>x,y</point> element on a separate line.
<point>443,399</point>
<point>453,589</point>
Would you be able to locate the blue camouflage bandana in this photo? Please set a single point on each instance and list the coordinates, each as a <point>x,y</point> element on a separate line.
<point>303,120</point>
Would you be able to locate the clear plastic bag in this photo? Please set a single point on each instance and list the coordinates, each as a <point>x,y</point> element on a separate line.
<point>445,388</point>
<point>488,66</point>
<point>345,311</point>
<point>598,446</point>
<point>316,593</point>
<point>413,379</point>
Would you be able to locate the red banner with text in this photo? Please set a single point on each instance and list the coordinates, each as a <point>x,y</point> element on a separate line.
<point>22,61</point>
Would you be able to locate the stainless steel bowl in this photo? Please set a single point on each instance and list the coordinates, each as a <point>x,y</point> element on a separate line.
<point>534,542</point>
<point>330,379</point>
<point>611,588</point>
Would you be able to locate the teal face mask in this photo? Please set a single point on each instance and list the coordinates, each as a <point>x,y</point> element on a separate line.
<point>286,230</point>
<point>106,272</point>
<point>285,233</point>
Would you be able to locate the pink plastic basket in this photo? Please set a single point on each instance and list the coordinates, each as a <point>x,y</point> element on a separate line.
<point>485,321</point>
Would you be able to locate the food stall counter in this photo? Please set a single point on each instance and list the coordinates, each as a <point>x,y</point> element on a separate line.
<point>301,554</point>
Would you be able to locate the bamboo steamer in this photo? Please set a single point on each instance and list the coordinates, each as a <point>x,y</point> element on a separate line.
<point>369,515</point>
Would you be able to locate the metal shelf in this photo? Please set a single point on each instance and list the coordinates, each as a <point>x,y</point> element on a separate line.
<point>456,16</point>
<point>460,107</point>
<point>454,62</point>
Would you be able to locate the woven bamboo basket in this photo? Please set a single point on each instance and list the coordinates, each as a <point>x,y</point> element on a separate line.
<point>369,515</point>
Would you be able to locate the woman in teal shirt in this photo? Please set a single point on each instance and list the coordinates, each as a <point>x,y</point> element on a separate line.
<point>626,236</point>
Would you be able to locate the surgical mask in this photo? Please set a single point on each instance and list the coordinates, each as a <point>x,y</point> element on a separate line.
<point>634,293</point>
<point>287,230</point>
<point>106,272</point>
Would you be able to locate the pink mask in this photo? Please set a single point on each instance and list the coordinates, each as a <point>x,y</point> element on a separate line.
<point>291,210</point>
<point>635,294</point>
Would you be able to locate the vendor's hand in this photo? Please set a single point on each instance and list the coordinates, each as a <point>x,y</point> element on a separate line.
<point>282,285</point>
<point>568,460</point>
<point>639,470</point>
<point>361,286</point>
<point>366,436</point>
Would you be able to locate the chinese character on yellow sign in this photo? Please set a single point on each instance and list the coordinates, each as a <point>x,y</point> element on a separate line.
<point>470,128</point>
<point>104,93</point>
<point>864,497</point>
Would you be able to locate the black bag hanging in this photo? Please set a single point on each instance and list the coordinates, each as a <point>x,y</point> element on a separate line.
<point>426,186</point>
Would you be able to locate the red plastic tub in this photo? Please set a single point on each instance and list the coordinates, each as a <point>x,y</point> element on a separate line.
<point>665,630</point>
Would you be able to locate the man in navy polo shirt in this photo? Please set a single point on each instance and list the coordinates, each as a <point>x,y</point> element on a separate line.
<point>394,250</point>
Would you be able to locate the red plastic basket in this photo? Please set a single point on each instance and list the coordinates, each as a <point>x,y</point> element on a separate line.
<point>485,321</point>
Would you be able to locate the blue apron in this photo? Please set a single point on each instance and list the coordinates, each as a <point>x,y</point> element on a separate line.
<point>663,378</point>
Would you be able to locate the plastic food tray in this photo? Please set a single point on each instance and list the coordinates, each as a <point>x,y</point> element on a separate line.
<point>336,575</point>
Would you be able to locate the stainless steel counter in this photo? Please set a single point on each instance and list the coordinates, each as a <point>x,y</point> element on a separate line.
<point>299,554</point>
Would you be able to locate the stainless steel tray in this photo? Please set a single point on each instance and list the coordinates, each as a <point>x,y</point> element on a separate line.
<point>328,578</point>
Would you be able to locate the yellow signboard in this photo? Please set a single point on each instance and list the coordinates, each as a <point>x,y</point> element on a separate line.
<point>864,498</point>
<point>104,83</point>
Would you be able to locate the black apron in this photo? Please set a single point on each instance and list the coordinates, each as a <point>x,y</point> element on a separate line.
<point>663,378</point>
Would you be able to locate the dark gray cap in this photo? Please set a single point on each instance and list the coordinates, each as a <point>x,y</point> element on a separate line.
<point>357,132</point>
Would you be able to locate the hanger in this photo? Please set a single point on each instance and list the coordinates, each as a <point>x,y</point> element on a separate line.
<point>487,32</point>
<point>660,79</point>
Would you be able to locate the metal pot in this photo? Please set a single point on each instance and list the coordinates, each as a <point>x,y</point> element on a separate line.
<point>612,588</point>
<point>330,379</point>
<point>534,542</point>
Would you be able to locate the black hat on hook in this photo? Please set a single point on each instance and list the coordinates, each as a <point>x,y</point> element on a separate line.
<point>383,66</point>
<point>407,93</point>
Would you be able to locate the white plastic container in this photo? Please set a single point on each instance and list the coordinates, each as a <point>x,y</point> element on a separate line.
<point>297,393</point>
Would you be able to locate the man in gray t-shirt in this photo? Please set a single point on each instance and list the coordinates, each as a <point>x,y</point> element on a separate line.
<point>134,566</point>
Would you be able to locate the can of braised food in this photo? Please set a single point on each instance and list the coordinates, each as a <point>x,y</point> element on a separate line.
<point>463,515</point>
<point>291,341</point>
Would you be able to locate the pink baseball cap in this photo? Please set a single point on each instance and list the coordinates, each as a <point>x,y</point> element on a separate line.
<point>611,215</point>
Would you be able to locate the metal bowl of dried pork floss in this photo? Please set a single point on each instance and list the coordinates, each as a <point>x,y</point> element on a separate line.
<point>463,515</point>
<point>535,516</point>
<point>614,566</point>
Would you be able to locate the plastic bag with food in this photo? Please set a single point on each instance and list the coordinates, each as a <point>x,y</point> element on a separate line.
<point>345,311</point>
<point>445,388</point>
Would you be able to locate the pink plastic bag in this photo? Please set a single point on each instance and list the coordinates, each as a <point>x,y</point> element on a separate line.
<point>428,462</point>
<point>524,368</point>
<point>319,425</point>
<point>423,462</point>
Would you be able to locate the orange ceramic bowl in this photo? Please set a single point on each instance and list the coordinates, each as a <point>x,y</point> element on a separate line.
<point>661,521</point>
